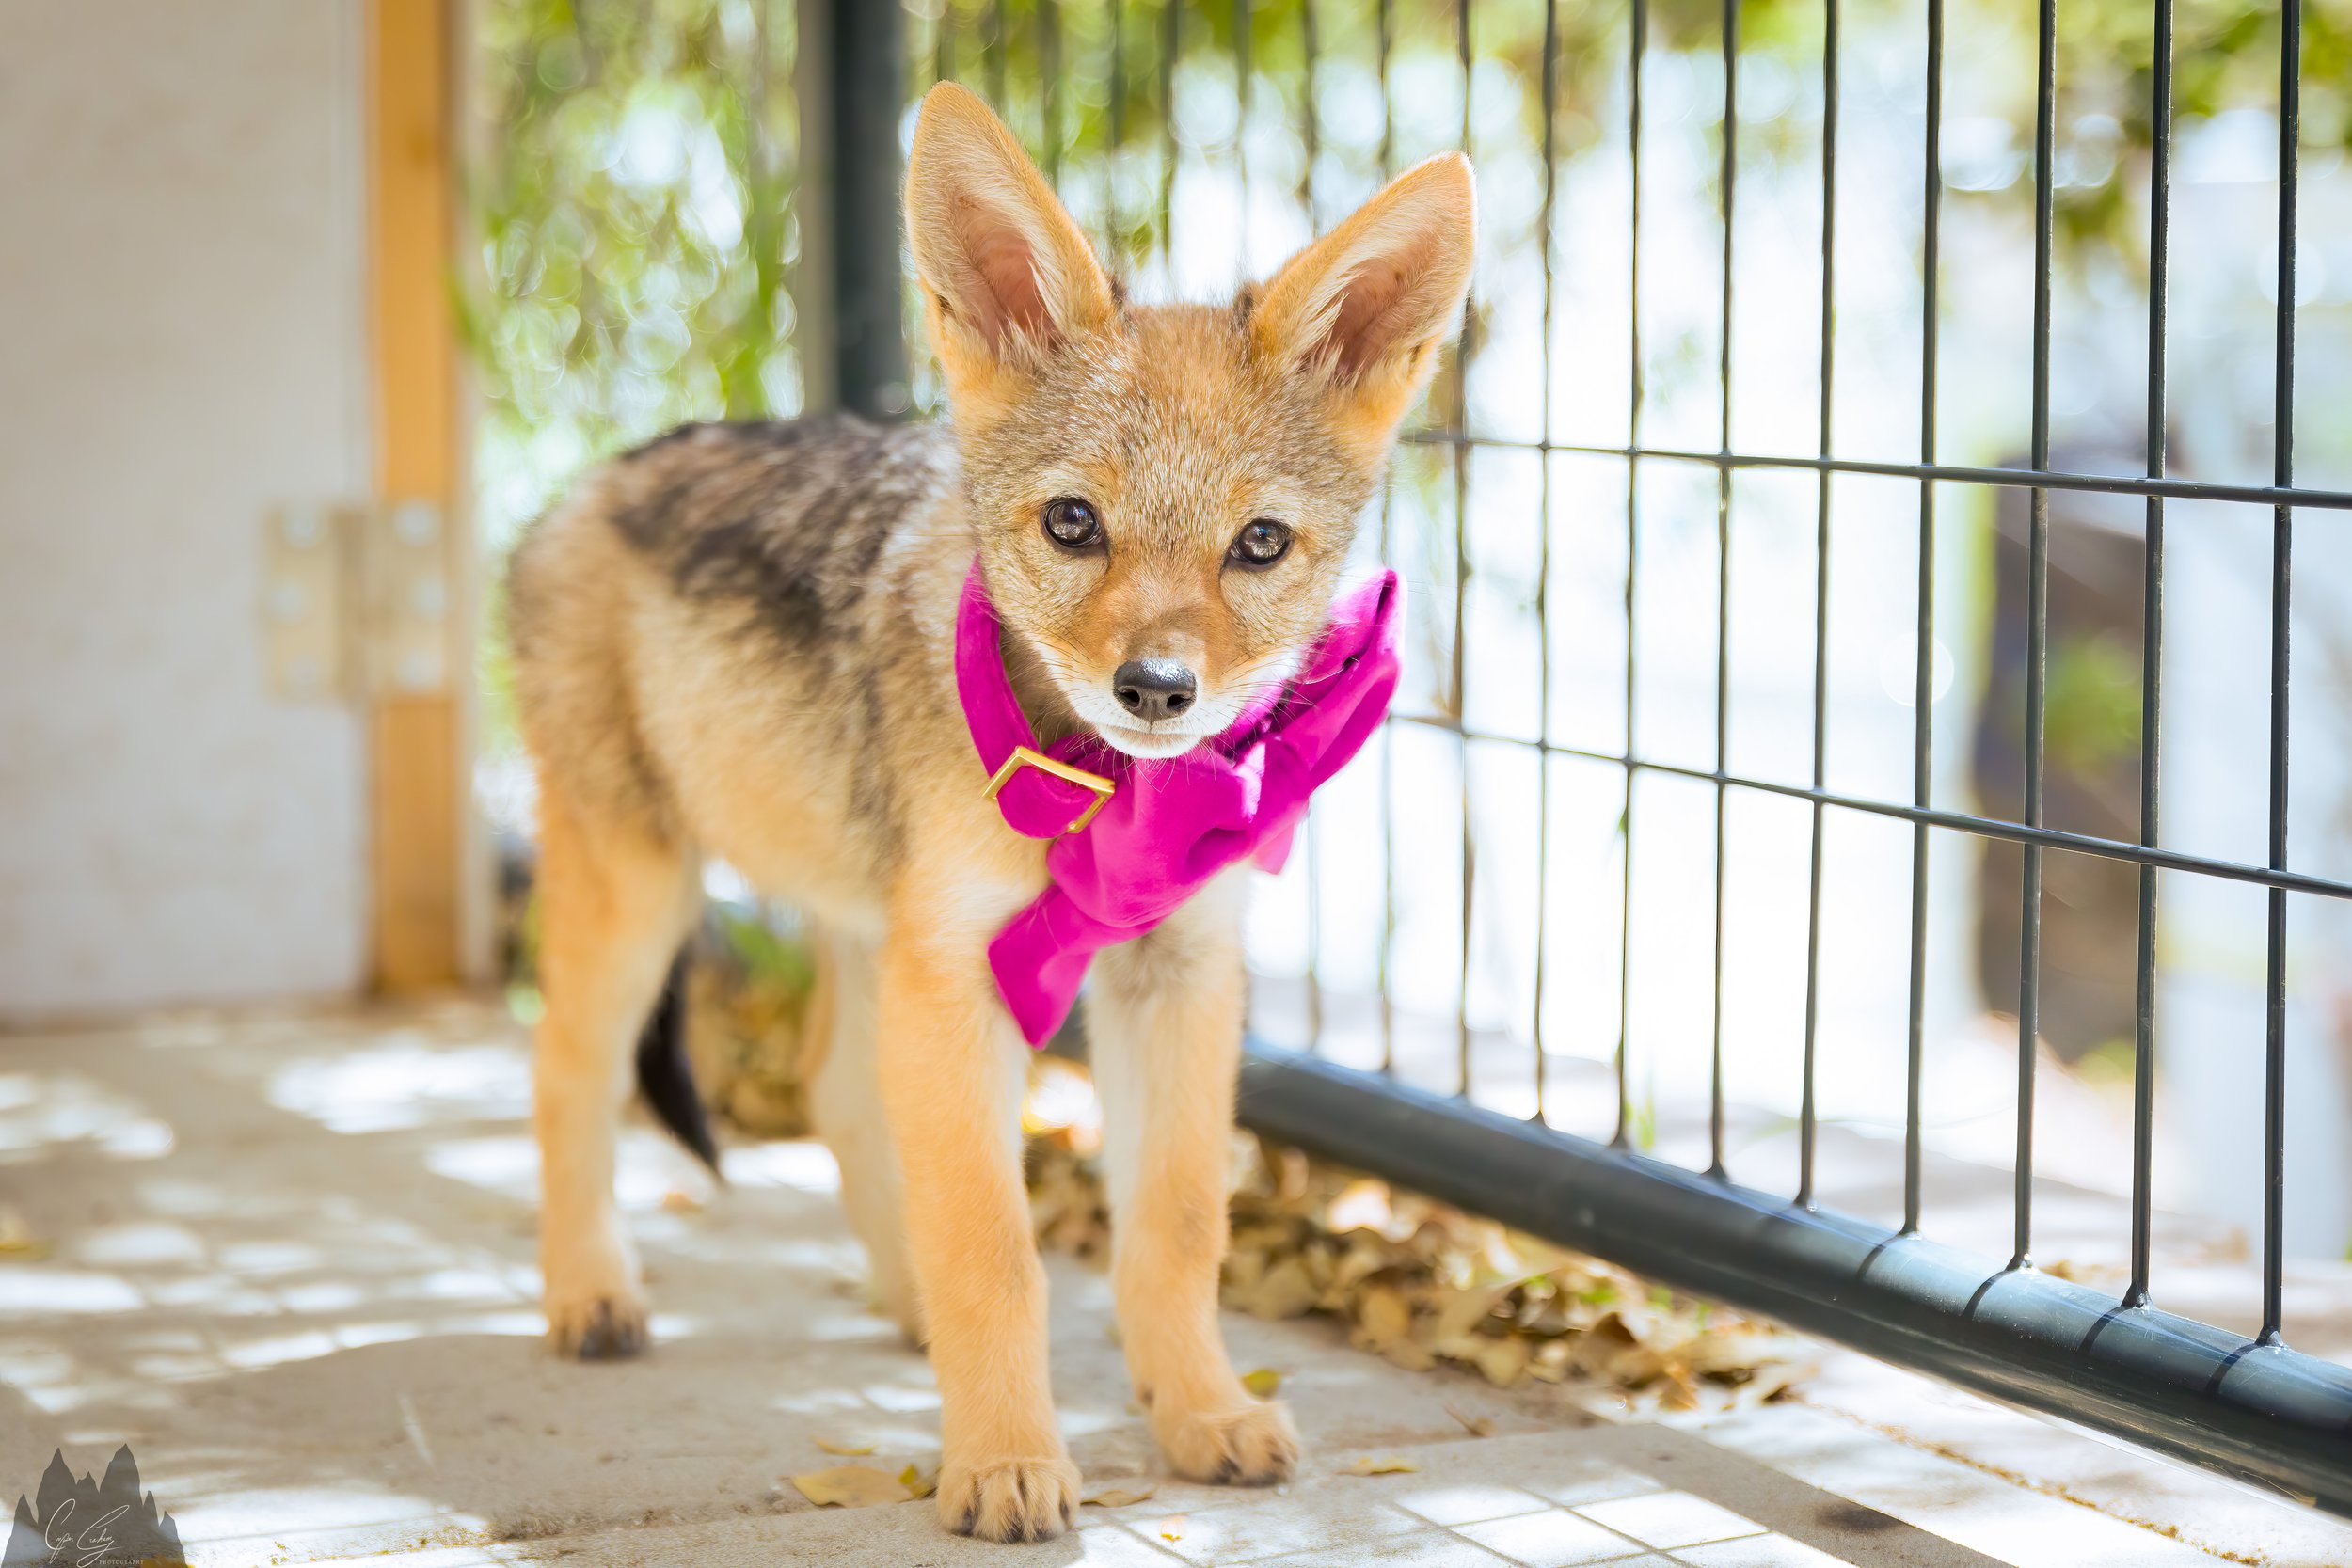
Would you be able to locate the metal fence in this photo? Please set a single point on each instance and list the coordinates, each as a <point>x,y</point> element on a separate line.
<point>2249,1407</point>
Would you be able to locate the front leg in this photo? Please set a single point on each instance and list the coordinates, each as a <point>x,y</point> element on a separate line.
<point>1164,1017</point>
<point>953,1070</point>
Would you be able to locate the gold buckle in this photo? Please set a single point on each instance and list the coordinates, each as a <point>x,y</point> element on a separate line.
<point>1022,755</point>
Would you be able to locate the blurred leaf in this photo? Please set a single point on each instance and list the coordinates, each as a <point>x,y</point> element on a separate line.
<point>853,1486</point>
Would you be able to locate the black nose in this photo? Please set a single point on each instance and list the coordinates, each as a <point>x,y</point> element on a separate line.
<point>1153,687</point>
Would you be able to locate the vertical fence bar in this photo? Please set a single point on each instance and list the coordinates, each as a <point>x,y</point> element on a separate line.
<point>1461,584</point>
<point>2151,657</point>
<point>1382,34</point>
<point>1923,674</point>
<point>2037,631</point>
<point>1726,187</point>
<point>1310,48</point>
<point>1638,48</point>
<point>1809,1113</point>
<point>2281,616</point>
<point>865,73</point>
<point>1543,550</point>
<point>1313,837</point>
<point>1242,96</point>
<point>1049,92</point>
<point>1171,35</point>
<point>993,61</point>
<point>1113,218</point>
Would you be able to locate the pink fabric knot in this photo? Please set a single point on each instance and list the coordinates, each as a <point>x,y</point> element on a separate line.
<point>1169,826</point>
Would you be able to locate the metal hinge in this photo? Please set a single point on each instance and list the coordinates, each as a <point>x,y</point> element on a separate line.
<point>358,601</point>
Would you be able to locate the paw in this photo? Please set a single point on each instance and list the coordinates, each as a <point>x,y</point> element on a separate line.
<point>606,1325</point>
<point>1248,1443</point>
<point>1009,1499</point>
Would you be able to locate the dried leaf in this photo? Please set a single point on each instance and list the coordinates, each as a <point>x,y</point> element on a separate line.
<point>1120,1494</point>
<point>17,1239</point>
<point>1477,1426</point>
<point>919,1483</point>
<point>852,1487</point>
<point>1502,1361</point>
<point>1406,1353</point>
<point>1286,1291</point>
<point>848,1451</point>
<point>1460,1312</point>
<point>1362,1205</point>
<point>1382,1464</point>
<point>1385,1314</point>
<point>1264,1382</point>
<point>1768,1384</point>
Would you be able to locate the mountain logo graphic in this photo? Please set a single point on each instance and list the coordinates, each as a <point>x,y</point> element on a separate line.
<point>92,1524</point>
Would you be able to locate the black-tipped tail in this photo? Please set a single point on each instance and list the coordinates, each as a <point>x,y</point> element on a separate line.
<point>666,1078</point>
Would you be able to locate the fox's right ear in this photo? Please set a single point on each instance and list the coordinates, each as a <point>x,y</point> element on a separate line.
<point>1006,276</point>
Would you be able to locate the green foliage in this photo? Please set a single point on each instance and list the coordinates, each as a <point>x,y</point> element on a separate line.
<point>765,954</point>
<point>633,200</point>
<point>633,191</point>
<point>2092,711</point>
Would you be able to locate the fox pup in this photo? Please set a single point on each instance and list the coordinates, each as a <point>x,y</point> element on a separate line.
<point>737,642</point>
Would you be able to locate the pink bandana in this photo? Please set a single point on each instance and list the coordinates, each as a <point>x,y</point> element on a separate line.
<point>1133,838</point>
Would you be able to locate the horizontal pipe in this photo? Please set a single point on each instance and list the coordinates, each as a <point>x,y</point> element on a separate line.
<point>2022,479</point>
<point>2263,1415</point>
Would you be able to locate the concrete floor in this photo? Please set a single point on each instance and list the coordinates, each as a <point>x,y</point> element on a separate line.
<point>287,1258</point>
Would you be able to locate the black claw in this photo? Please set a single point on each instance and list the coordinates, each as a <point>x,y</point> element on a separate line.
<point>1227,1470</point>
<point>608,1338</point>
<point>971,1520</point>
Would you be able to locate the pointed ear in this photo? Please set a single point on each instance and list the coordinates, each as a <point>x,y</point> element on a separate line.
<point>1007,276</point>
<point>1368,307</point>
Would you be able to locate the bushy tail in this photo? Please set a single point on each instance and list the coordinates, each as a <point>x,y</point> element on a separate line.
<point>664,1075</point>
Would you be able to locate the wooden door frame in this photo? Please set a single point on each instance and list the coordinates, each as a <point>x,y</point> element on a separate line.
<point>429,883</point>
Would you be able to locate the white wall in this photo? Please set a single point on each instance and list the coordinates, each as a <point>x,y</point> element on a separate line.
<point>182,345</point>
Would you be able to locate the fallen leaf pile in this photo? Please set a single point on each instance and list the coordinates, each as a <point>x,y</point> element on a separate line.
<point>743,1034</point>
<point>1419,1282</point>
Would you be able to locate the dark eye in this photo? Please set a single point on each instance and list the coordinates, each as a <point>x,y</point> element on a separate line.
<point>1259,544</point>
<point>1071,524</point>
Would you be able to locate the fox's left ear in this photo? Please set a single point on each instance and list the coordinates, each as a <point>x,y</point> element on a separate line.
<point>1008,278</point>
<point>1368,307</point>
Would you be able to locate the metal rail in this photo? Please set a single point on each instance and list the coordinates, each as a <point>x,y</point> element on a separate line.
<point>2258,1412</point>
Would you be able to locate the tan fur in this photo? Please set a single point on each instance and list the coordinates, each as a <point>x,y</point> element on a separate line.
<point>736,642</point>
